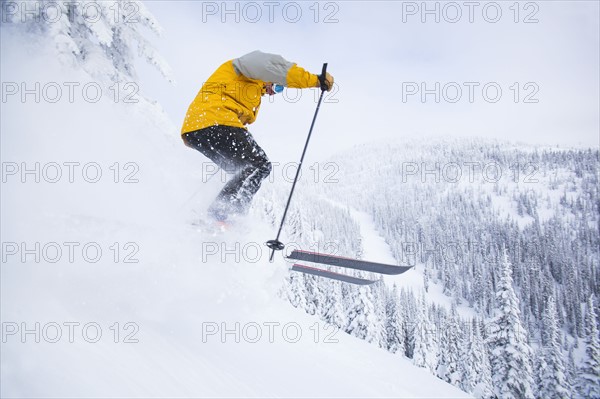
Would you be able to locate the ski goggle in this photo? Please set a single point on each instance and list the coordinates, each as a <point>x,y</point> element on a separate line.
<point>273,88</point>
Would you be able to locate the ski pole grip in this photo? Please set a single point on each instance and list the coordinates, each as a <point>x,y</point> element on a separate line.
<point>322,77</point>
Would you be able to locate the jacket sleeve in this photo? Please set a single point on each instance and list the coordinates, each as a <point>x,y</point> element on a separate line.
<point>274,68</point>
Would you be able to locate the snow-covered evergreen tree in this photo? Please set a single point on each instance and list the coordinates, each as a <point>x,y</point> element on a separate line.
<point>315,296</point>
<point>295,290</point>
<point>539,367</point>
<point>423,338</point>
<point>589,372</point>
<point>511,355</point>
<point>410,309</point>
<point>102,37</point>
<point>467,367</point>
<point>332,310</point>
<point>362,316</point>
<point>418,338</point>
<point>450,352</point>
<point>572,374</point>
<point>553,377</point>
<point>476,375</point>
<point>380,294</point>
<point>394,323</point>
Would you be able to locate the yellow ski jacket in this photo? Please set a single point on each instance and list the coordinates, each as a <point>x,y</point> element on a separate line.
<point>231,96</point>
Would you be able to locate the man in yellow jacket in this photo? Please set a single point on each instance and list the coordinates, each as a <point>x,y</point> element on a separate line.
<point>215,123</point>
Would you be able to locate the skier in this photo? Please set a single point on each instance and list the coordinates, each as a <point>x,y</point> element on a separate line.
<point>215,123</point>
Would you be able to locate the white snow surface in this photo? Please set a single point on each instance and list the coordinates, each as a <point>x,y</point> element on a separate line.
<point>185,286</point>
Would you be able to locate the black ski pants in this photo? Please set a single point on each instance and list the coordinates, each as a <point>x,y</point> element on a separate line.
<point>234,150</point>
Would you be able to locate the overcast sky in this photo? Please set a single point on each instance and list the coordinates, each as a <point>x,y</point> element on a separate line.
<point>543,55</point>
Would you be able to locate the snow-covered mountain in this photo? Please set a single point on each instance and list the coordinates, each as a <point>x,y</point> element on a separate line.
<point>453,208</point>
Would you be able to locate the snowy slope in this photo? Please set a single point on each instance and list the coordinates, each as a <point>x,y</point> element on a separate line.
<point>167,285</point>
<point>176,307</point>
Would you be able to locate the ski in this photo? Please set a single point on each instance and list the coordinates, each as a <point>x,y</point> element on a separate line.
<point>331,275</point>
<point>349,263</point>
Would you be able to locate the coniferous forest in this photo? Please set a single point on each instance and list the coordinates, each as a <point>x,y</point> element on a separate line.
<point>509,234</point>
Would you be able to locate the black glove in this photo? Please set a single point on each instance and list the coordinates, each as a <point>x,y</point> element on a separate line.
<point>326,81</point>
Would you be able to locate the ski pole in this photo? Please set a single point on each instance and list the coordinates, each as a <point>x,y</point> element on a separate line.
<point>275,244</point>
